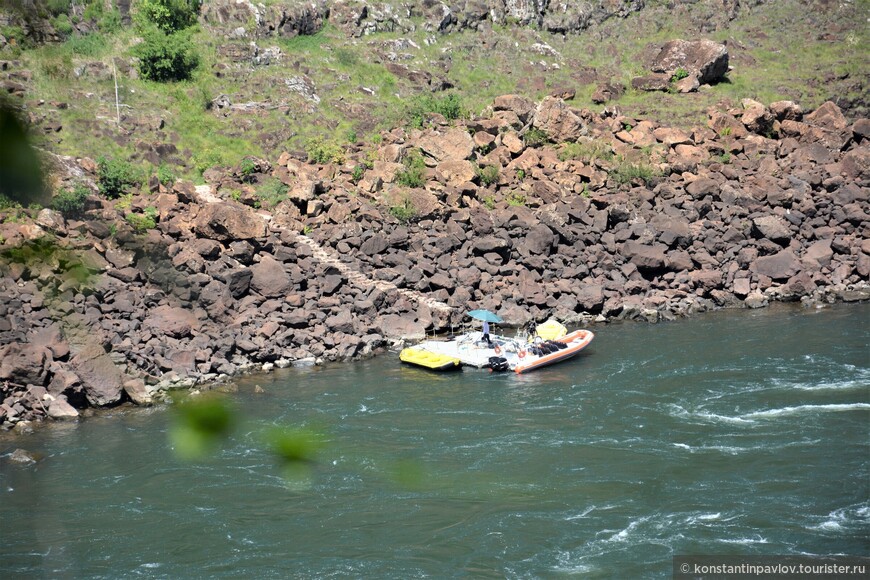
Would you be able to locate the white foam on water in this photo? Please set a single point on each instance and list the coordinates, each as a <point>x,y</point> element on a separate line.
<point>707,417</point>
<point>843,518</point>
<point>808,409</point>
<point>744,541</point>
<point>716,418</point>
<point>580,515</point>
<point>623,535</point>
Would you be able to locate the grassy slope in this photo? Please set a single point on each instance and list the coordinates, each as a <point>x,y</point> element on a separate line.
<point>779,50</point>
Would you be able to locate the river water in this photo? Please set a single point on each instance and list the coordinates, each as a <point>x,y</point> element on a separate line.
<point>733,433</point>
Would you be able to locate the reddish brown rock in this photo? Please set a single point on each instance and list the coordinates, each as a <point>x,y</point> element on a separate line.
<point>227,222</point>
<point>558,121</point>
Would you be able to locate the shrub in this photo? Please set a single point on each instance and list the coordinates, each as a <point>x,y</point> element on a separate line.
<point>321,151</point>
<point>516,199</point>
<point>116,177</point>
<point>207,158</point>
<point>404,211</point>
<point>62,24</point>
<point>412,175</point>
<point>247,168</point>
<point>679,74</point>
<point>71,202</point>
<point>142,222</point>
<point>166,57</point>
<point>108,21</point>
<point>535,137</point>
<point>488,175</point>
<point>628,172</point>
<point>169,15</point>
<point>358,172</point>
<point>165,175</point>
<point>272,192</point>
<point>449,106</point>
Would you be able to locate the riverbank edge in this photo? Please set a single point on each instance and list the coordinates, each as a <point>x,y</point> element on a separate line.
<point>99,310</point>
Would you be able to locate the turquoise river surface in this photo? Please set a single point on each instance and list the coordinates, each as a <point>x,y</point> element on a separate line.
<point>741,432</point>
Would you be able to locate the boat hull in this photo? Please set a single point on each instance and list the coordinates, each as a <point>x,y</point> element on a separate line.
<point>574,343</point>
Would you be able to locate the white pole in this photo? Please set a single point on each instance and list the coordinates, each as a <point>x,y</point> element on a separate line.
<point>117,103</point>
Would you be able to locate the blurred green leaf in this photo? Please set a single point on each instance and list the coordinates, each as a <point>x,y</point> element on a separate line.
<point>295,445</point>
<point>20,169</point>
<point>200,425</point>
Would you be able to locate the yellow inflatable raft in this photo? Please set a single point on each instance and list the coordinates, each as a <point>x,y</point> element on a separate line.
<point>429,360</point>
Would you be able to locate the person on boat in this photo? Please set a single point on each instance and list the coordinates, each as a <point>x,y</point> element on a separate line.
<point>486,333</point>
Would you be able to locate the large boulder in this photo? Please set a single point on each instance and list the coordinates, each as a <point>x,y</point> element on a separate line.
<point>558,121</point>
<point>521,106</point>
<point>269,278</point>
<point>454,143</point>
<point>772,227</point>
<point>401,327</point>
<point>539,241</point>
<point>171,321</point>
<point>227,222</point>
<point>780,266</point>
<point>455,172</point>
<point>24,363</point>
<point>647,257</point>
<point>101,379</point>
<point>704,59</point>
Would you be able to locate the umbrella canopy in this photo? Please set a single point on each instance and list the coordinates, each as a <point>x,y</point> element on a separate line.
<point>485,315</point>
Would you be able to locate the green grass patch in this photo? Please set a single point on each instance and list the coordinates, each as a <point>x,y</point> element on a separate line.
<point>587,150</point>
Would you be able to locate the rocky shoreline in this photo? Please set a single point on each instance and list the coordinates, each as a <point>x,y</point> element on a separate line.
<point>534,210</point>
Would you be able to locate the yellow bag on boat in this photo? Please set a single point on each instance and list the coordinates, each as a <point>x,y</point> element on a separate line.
<point>551,330</point>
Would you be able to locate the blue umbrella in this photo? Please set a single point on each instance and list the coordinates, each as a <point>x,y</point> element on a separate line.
<point>485,315</point>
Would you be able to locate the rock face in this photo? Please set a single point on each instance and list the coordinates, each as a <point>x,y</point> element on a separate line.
<point>705,59</point>
<point>557,120</point>
<point>226,222</point>
<point>701,61</point>
<point>632,221</point>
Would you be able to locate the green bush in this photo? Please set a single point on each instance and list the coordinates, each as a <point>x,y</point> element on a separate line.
<point>358,172</point>
<point>207,158</point>
<point>115,177</point>
<point>71,202</point>
<point>247,169</point>
<point>321,151</point>
<point>679,74</point>
<point>62,24</point>
<point>535,137</point>
<point>166,57</point>
<point>488,175</point>
<point>412,175</point>
<point>272,192</point>
<point>404,211</point>
<point>516,199</point>
<point>108,21</point>
<point>169,15</point>
<point>141,222</point>
<point>57,7</point>
<point>165,175</point>
<point>628,172</point>
<point>450,106</point>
